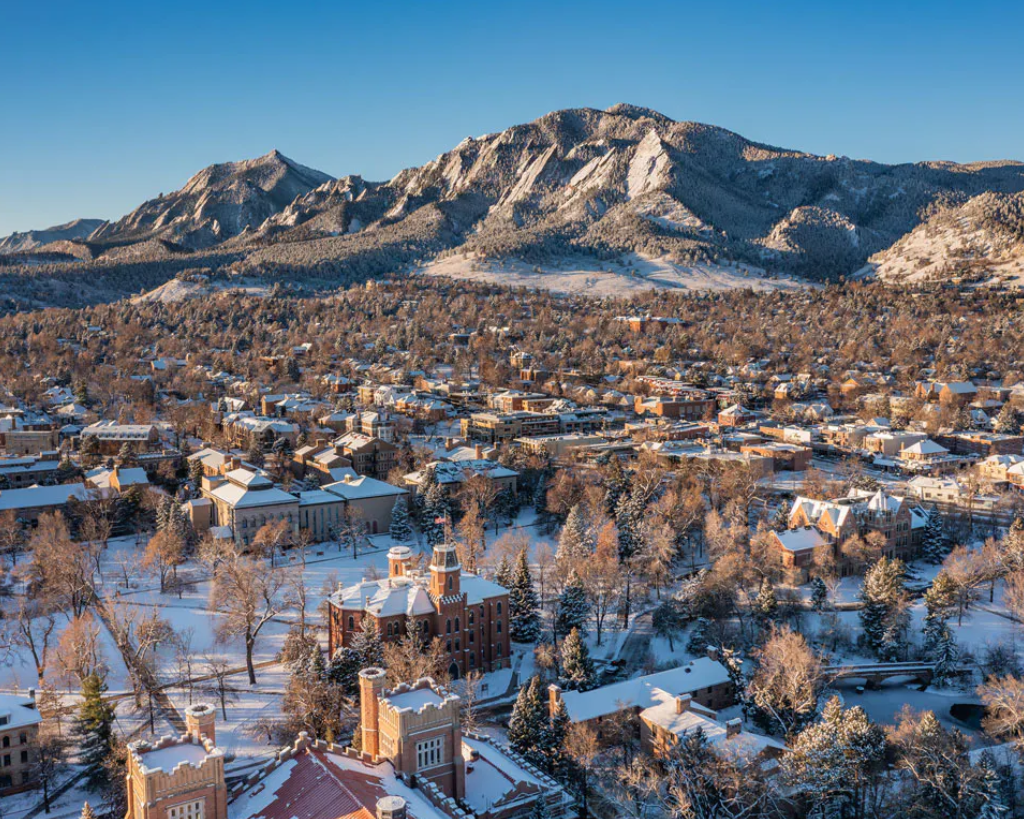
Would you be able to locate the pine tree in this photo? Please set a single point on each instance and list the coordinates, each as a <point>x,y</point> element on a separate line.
<point>94,729</point>
<point>573,607</point>
<point>87,812</point>
<point>629,519</point>
<point>529,717</point>
<point>436,510</point>
<point>935,547</point>
<point>883,616</point>
<point>990,789</point>
<point>540,808</point>
<point>576,542</point>
<point>554,740</point>
<point>369,645</point>
<point>766,604</point>
<point>126,455</point>
<point>697,644</point>
<point>503,573</point>
<point>1008,420</point>
<point>819,594</point>
<point>523,606</point>
<point>577,666</point>
<point>831,760</point>
<point>401,530</point>
<point>667,621</point>
<point>343,669</point>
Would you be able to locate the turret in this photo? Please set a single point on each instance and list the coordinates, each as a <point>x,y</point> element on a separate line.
<point>399,561</point>
<point>371,683</point>
<point>445,571</point>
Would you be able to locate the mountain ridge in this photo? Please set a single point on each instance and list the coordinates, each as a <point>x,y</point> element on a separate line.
<point>626,183</point>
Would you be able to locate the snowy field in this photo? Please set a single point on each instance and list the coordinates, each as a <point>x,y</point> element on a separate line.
<point>601,279</point>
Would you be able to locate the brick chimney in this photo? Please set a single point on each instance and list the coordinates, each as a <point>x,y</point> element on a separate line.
<point>733,727</point>
<point>479,451</point>
<point>371,683</point>
<point>683,703</point>
<point>554,697</point>
<point>449,444</point>
<point>713,653</point>
<point>399,559</point>
<point>200,721</point>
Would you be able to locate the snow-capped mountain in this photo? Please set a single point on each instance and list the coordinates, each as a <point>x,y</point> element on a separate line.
<point>981,239</point>
<point>33,239</point>
<point>216,204</point>
<point>572,198</point>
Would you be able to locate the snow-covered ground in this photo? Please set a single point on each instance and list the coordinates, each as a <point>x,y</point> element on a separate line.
<point>600,279</point>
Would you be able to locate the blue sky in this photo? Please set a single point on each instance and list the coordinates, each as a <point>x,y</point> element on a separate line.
<point>107,104</point>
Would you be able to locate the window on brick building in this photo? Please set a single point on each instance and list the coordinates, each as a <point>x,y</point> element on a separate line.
<point>429,753</point>
<point>188,810</point>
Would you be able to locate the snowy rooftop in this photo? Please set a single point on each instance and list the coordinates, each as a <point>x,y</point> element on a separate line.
<point>493,775</point>
<point>416,699</point>
<point>800,540</point>
<point>167,759</point>
<point>17,712</point>
<point>643,692</point>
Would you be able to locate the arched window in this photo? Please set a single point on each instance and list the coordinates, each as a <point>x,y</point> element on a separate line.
<point>457,629</point>
<point>499,608</point>
<point>458,644</point>
<point>449,584</point>
<point>499,649</point>
<point>389,630</point>
<point>448,627</point>
<point>351,623</point>
<point>499,627</point>
<point>471,619</point>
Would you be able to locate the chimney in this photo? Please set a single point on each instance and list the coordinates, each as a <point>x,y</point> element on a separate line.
<point>347,479</point>
<point>554,697</point>
<point>713,653</point>
<point>479,450</point>
<point>733,727</point>
<point>371,683</point>
<point>200,722</point>
<point>236,462</point>
<point>683,703</point>
<point>391,807</point>
<point>449,444</point>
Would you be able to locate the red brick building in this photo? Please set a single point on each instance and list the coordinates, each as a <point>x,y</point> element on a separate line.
<point>468,613</point>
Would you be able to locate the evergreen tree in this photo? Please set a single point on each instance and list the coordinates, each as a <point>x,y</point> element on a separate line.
<point>766,604</point>
<point>1008,420</point>
<point>883,616</point>
<point>629,519</point>
<point>87,812</point>
<point>523,605</point>
<point>503,573</point>
<point>401,529</point>
<point>616,486</point>
<point>368,645</point>
<point>576,542</point>
<point>436,510</point>
<point>94,730</point>
<point>528,721</point>
<point>819,594</point>
<point>554,741</point>
<point>697,644</point>
<point>935,547</point>
<point>126,455</point>
<point>577,666</point>
<point>990,789</point>
<point>667,621</point>
<point>573,607</point>
<point>833,761</point>
<point>344,668</point>
<point>254,454</point>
